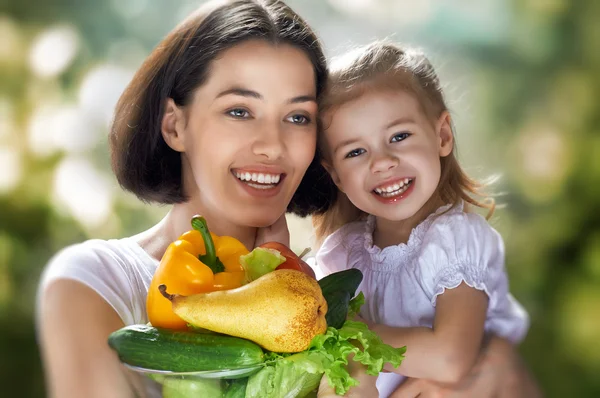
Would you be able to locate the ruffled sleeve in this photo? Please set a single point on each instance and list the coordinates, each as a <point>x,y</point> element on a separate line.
<point>463,247</point>
<point>341,249</point>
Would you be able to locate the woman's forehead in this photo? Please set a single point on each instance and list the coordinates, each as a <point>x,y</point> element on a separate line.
<point>263,68</point>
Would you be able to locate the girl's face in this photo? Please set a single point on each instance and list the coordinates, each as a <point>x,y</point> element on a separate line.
<point>249,134</point>
<point>384,153</point>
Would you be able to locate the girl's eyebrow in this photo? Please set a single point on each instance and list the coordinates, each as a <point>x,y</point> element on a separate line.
<point>244,92</point>
<point>343,144</point>
<point>401,120</point>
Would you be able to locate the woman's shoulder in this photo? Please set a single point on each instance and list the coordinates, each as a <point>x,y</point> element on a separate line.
<point>99,255</point>
<point>115,269</point>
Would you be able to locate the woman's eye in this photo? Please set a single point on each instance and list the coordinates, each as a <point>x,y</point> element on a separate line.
<point>400,137</point>
<point>299,119</point>
<point>354,153</point>
<point>238,113</point>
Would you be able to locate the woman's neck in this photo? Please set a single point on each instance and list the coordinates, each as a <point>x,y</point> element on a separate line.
<point>394,232</point>
<point>178,220</point>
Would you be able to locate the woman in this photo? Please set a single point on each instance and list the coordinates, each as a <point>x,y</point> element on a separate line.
<point>220,120</point>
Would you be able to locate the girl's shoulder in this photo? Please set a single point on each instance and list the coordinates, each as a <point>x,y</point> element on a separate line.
<point>339,248</point>
<point>454,224</point>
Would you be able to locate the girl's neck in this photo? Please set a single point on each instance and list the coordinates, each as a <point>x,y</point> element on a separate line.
<point>394,232</point>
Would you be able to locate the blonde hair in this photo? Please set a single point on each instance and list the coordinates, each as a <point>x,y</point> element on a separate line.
<point>382,65</point>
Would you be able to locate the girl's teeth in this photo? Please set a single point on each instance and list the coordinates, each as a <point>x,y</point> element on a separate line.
<point>395,189</point>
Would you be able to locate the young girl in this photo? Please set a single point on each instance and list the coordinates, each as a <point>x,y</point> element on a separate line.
<point>434,277</point>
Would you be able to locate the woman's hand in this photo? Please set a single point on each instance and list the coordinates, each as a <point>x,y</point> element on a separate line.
<point>277,232</point>
<point>366,387</point>
<point>499,373</point>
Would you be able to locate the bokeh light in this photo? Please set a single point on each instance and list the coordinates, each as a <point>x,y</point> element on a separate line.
<point>53,51</point>
<point>82,191</point>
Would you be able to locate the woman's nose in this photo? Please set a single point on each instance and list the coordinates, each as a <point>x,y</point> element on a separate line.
<point>383,162</point>
<point>269,143</point>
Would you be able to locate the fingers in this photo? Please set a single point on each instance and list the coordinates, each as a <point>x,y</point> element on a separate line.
<point>277,232</point>
<point>325,390</point>
<point>411,388</point>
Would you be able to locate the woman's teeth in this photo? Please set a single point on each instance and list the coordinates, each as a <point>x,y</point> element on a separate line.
<point>394,189</point>
<point>259,180</point>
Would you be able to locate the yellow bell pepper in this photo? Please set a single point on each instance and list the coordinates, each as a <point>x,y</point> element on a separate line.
<point>197,262</point>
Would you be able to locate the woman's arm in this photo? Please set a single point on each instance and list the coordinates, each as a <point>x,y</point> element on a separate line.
<point>448,351</point>
<point>75,323</point>
<point>499,373</point>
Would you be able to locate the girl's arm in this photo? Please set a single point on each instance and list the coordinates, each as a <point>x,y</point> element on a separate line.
<point>448,351</point>
<point>74,327</point>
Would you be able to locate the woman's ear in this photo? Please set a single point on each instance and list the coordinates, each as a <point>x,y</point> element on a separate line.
<point>444,132</point>
<point>334,176</point>
<point>172,126</point>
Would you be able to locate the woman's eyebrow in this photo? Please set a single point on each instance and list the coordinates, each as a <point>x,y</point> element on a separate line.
<point>244,92</point>
<point>303,98</point>
<point>241,92</point>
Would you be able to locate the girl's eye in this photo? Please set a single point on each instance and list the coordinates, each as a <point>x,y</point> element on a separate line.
<point>400,137</point>
<point>299,119</point>
<point>354,153</point>
<point>238,113</point>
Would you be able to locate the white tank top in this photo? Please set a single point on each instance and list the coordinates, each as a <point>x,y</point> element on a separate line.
<point>118,270</point>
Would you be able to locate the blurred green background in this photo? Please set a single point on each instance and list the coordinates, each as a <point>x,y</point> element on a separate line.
<point>523,82</point>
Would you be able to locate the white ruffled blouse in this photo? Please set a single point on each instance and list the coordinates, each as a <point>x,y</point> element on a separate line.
<point>401,283</point>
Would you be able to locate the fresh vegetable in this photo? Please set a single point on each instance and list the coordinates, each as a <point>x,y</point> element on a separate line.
<point>337,308</point>
<point>281,311</point>
<point>260,261</point>
<point>292,261</point>
<point>197,262</point>
<point>347,280</point>
<point>181,351</point>
<point>338,288</point>
<point>300,373</point>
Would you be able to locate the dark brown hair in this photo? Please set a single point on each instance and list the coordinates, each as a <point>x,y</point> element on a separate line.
<point>143,163</point>
<point>385,66</point>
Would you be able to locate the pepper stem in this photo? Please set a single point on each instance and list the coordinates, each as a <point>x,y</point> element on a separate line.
<point>210,258</point>
<point>163,291</point>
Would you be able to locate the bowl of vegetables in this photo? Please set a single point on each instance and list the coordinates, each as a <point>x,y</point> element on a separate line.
<point>274,332</point>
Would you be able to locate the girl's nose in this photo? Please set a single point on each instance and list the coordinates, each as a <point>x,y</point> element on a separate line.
<point>384,162</point>
<point>269,143</point>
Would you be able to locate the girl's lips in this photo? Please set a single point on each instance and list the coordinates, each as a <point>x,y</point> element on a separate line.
<point>395,198</point>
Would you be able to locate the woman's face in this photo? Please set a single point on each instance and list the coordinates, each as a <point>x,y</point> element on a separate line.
<point>250,133</point>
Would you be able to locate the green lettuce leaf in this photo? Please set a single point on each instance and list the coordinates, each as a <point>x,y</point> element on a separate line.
<point>298,374</point>
<point>355,304</point>
<point>260,261</point>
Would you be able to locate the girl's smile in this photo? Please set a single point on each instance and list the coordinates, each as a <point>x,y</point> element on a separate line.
<point>395,190</point>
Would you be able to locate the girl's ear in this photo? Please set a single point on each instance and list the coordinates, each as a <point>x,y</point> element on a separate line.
<point>333,174</point>
<point>444,132</point>
<point>172,126</point>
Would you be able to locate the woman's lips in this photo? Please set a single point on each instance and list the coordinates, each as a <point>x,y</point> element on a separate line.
<point>259,183</point>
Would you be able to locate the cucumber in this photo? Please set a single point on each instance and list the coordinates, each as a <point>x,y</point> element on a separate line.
<point>182,351</point>
<point>346,280</point>
<point>337,308</point>
<point>338,288</point>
